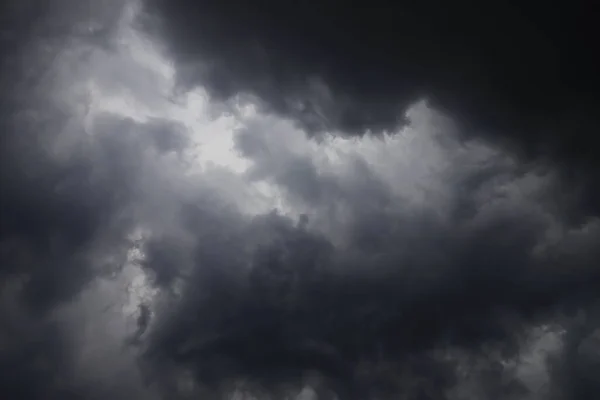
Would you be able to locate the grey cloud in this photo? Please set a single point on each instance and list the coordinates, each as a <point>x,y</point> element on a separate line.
<point>415,268</point>
<point>375,300</point>
<point>69,200</point>
<point>60,208</point>
<point>507,71</point>
<point>272,300</point>
<point>33,353</point>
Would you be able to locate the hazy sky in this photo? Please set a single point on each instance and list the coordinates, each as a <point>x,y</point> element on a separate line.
<point>189,214</point>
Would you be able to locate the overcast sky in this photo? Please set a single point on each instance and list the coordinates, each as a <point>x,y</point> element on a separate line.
<point>205,202</point>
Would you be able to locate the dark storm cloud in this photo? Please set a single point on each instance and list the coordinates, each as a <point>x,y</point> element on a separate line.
<point>578,373</point>
<point>65,221</point>
<point>59,210</point>
<point>38,234</point>
<point>49,206</point>
<point>413,265</point>
<point>66,194</point>
<point>33,354</point>
<point>519,70</point>
<point>378,305</point>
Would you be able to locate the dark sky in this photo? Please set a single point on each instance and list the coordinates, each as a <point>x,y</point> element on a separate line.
<point>299,200</point>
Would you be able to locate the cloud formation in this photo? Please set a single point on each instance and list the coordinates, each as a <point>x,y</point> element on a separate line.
<point>521,76</point>
<point>379,270</point>
<point>502,67</point>
<point>159,244</point>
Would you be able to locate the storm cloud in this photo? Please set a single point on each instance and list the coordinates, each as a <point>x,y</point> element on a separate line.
<point>520,75</point>
<point>178,223</point>
<point>500,67</point>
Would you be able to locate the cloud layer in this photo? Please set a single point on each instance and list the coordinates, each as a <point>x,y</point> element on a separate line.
<point>167,244</point>
<point>501,68</point>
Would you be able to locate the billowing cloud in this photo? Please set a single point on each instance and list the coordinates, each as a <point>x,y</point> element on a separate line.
<point>503,68</point>
<point>382,261</point>
<point>521,76</point>
<point>167,244</point>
